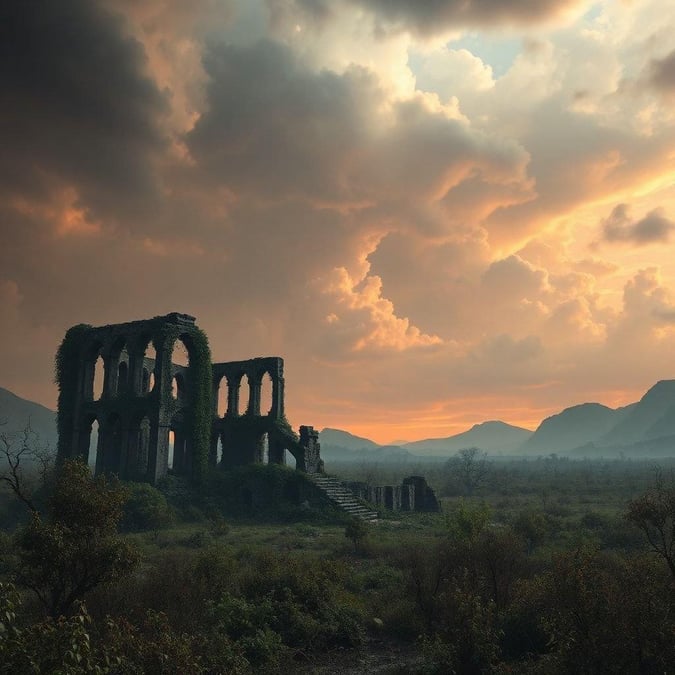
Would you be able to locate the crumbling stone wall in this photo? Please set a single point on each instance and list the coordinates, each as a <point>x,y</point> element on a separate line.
<point>414,494</point>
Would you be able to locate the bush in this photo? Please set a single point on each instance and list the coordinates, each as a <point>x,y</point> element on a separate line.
<point>146,509</point>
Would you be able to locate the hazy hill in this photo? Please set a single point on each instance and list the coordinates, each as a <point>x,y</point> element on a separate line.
<point>573,427</point>
<point>493,436</point>
<point>340,445</point>
<point>18,411</point>
<point>653,416</point>
<point>345,440</point>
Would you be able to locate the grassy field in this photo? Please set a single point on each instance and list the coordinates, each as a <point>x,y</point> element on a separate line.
<point>538,570</point>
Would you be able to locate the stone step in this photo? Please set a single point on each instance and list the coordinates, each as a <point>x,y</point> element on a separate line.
<point>342,497</point>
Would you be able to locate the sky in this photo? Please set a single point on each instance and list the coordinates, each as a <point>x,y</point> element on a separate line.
<point>439,212</point>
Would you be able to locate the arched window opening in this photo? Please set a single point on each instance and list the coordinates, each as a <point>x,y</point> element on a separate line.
<point>178,387</point>
<point>172,440</point>
<point>219,451</point>
<point>265,449</point>
<point>289,459</point>
<point>122,377</point>
<point>221,395</point>
<point>180,355</point>
<point>92,451</point>
<point>99,378</point>
<point>244,395</point>
<point>266,394</point>
<point>149,360</point>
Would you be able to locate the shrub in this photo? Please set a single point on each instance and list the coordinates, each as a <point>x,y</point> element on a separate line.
<point>145,509</point>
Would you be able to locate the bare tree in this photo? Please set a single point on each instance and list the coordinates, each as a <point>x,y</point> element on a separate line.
<point>27,463</point>
<point>470,466</point>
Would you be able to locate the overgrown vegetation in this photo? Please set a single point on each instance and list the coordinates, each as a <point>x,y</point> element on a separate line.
<point>549,566</point>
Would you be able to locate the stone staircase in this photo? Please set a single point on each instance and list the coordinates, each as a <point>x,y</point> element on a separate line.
<point>342,497</point>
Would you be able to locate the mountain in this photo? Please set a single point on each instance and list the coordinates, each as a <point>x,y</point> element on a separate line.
<point>576,426</point>
<point>345,440</point>
<point>652,417</point>
<point>337,445</point>
<point>18,412</point>
<point>492,436</point>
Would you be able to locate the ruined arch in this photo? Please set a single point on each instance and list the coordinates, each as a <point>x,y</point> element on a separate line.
<point>91,440</point>
<point>243,387</point>
<point>136,411</point>
<point>94,374</point>
<point>220,396</point>
<point>147,360</point>
<point>266,403</point>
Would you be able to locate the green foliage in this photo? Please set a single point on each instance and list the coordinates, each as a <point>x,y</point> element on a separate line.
<point>67,646</point>
<point>310,610</point>
<point>467,638</point>
<point>271,491</point>
<point>200,393</point>
<point>145,509</point>
<point>60,645</point>
<point>654,514</point>
<point>466,522</point>
<point>248,624</point>
<point>66,368</point>
<point>604,614</point>
<point>533,526</point>
<point>76,547</point>
<point>218,526</point>
<point>467,592</point>
<point>357,532</point>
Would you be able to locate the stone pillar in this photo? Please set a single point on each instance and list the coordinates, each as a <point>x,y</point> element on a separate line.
<point>233,397</point>
<point>255,385</point>
<point>277,410</point>
<point>158,455</point>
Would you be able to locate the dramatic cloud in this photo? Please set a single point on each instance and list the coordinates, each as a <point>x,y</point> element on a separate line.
<point>433,16</point>
<point>78,112</point>
<point>620,227</point>
<point>662,73</point>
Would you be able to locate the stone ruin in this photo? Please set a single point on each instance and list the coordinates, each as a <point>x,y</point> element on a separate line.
<point>147,397</point>
<point>414,494</point>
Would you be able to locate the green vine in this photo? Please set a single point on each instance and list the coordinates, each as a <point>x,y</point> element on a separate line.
<point>199,395</point>
<point>66,367</point>
<point>200,422</point>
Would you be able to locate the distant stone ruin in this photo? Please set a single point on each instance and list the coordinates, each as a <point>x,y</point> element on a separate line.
<point>146,399</point>
<point>414,494</point>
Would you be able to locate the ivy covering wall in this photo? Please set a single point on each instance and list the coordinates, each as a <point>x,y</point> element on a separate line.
<point>66,369</point>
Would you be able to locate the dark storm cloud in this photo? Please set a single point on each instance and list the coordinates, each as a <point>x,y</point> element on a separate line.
<point>620,227</point>
<point>662,73</point>
<point>276,129</point>
<point>271,123</point>
<point>75,104</point>
<point>427,17</point>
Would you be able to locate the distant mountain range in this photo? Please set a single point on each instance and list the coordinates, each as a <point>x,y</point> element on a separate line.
<point>492,436</point>
<point>642,429</point>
